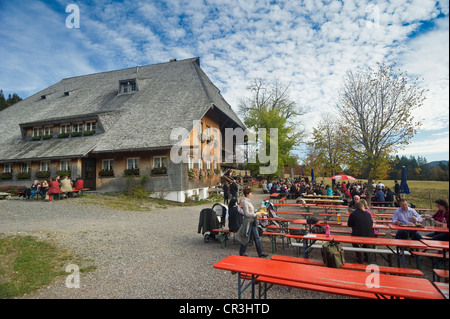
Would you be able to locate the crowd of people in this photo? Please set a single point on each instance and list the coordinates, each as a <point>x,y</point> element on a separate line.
<point>53,186</point>
<point>297,188</point>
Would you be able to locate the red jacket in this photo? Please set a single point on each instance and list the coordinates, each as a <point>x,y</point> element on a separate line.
<point>53,188</point>
<point>79,185</point>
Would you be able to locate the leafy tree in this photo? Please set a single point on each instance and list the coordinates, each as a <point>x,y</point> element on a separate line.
<point>12,99</point>
<point>270,106</point>
<point>375,111</point>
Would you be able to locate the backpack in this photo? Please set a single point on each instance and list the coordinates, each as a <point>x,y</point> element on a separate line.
<point>333,254</point>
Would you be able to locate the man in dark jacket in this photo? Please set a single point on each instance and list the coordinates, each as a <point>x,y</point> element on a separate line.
<point>233,189</point>
<point>362,225</point>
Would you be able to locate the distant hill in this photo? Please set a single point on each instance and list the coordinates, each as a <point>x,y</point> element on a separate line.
<point>436,163</point>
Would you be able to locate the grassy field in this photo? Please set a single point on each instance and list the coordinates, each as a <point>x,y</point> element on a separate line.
<point>27,264</point>
<point>423,193</point>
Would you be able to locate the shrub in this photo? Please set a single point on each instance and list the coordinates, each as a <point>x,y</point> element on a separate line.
<point>23,175</point>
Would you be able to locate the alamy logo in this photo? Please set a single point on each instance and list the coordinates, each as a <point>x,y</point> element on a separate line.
<point>207,146</point>
<point>73,19</point>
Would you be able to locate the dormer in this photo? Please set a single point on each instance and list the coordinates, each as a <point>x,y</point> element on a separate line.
<point>128,86</point>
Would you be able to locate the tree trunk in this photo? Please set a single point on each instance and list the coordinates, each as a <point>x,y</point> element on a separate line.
<point>369,191</point>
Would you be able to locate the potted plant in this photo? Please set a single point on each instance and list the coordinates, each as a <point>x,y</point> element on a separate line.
<point>193,173</point>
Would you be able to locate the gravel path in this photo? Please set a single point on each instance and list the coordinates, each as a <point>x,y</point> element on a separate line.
<point>149,254</point>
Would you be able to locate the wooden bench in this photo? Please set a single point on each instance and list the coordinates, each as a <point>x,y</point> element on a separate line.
<point>350,266</point>
<point>4,195</point>
<point>291,284</point>
<point>440,273</point>
<point>442,287</point>
<point>431,255</point>
<point>223,236</point>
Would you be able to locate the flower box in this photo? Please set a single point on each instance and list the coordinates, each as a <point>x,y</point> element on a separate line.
<point>62,173</point>
<point>63,135</point>
<point>23,175</point>
<point>36,138</point>
<point>106,172</point>
<point>131,171</point>
<point>76,134</point>
<point>5,176</point>
<point>47,137</point>
<point>88,133</point>
<point>43,174</point>
<point>159,171</point>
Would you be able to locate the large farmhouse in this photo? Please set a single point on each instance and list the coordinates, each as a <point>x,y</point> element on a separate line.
<point>114,126</point>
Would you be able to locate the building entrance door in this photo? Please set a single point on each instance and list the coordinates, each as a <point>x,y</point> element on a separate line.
<point>88,173</point>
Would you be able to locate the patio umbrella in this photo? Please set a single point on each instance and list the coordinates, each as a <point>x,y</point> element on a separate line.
<point>403,184</point>
<point>312,176</point>
<point>343,177</point>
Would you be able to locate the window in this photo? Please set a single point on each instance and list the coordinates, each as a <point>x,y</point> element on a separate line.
<point>190,163</point>
<point>36,131</point>
<point>7,168</point>
<point>26,167</point>
<point>65,128</point>
<point>215,164</point>
<point>159,161</point>
<point>132,163</point>
<point>48,130</point>
<point>127,86</point>
<point>108,165</point>
<point>45,166</point>
<point>208,165</point>
<point>90,126</point>
<point>200,164</point>
<point>64,165</point>
<point>77,127</point>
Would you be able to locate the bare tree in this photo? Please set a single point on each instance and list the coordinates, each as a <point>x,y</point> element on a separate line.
<point>375,112</point>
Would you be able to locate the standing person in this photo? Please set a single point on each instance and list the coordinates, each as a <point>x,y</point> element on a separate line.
<point>362,225</point>
<point>249,226</point>
<point>233,189</point>
<point>438,219</point>
<point>397,190</point>
<point>53,188</point>
<point>406,216</point>
<point>264,187</point>
<point>226,192</point>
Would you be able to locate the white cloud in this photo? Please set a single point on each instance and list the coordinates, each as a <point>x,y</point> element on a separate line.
<point>309,43</point>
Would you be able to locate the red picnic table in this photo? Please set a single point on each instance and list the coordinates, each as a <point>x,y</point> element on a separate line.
<point>400,244</point>
<point>331,280</point>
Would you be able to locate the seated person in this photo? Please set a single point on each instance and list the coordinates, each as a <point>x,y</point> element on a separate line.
<point>34,189</point>
<point>406,216</point>
<point>43,189</point>
<point>79,185</point>
<point>362,225</point>
<point>53,188</point>
<point>235,217</point>
<point>66,186</point>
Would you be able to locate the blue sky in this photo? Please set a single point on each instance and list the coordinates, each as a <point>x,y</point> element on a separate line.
<point>308,44</point>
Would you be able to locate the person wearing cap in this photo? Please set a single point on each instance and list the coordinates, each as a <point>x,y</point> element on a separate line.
<point>438,219</point>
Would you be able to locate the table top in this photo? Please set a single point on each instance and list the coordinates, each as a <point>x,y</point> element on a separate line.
<point>428,229</point>
<point>323,200</point>
<point>397,286</point>
<point>334,223</point>
<point>293,205</point>
<point>376,241</point>
<point>437,244</point>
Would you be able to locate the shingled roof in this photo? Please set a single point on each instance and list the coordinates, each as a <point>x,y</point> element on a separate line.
<point>170,95</point>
